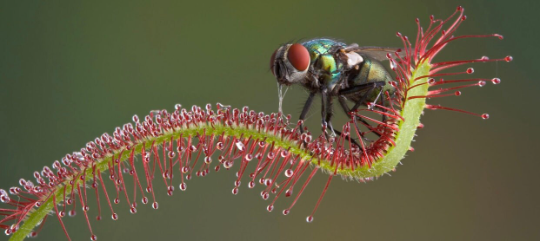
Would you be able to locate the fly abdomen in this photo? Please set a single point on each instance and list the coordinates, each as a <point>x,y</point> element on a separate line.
<point>369,74</point>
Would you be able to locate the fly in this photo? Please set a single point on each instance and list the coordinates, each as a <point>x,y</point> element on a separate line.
<point>334,69</point>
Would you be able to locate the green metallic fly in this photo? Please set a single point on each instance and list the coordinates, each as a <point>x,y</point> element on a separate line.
<point>334,69</point>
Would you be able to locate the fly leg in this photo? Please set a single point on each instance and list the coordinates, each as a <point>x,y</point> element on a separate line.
<point>347,110</point>
<point>327,107</point>
<point>305,110</point>
<point>345,107</point>
<point>369,87</point>
<point>326,111</point>
<point>329,115</point>
<point>366,89</point>
<point>342,102</point>
<point>383,103</point>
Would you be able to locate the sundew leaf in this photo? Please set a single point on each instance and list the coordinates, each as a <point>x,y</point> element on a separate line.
<point>172,147</point>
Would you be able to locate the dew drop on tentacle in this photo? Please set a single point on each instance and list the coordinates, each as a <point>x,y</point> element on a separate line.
<point>14,228</point>
<point>289,192</point>
<point>5,199</point>
<point>309,219</point>
<point>14,190</point>
<point>268,182</point>
<point>284,153</point>
<point>289,172</point>
<point>220,146</point>
<point>221,158</point>
<point>182,186</point>
<point>227,164</point>
<point>240,146</point>
<point>114,216</point>
<point>286,211</point>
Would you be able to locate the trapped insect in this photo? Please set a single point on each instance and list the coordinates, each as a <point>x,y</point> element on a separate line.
<point>334,69</point>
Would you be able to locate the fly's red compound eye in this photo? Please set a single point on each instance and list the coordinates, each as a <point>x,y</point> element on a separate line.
<point>273,62</point>
<point>298,56</point>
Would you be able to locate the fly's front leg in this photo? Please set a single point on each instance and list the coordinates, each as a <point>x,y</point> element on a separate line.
<point>329,115</point>
<point>324,111</point>
<point>305,110</point>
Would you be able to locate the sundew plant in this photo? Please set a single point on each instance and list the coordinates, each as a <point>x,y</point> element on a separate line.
<point>172,147</point>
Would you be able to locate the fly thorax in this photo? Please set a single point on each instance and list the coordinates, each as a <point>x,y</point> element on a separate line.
<point>330,73</point>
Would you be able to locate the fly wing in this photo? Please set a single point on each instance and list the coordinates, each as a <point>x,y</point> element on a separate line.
<point>378,53</point>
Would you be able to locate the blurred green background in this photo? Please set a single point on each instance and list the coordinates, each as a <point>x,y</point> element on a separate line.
<point>70,71</point>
